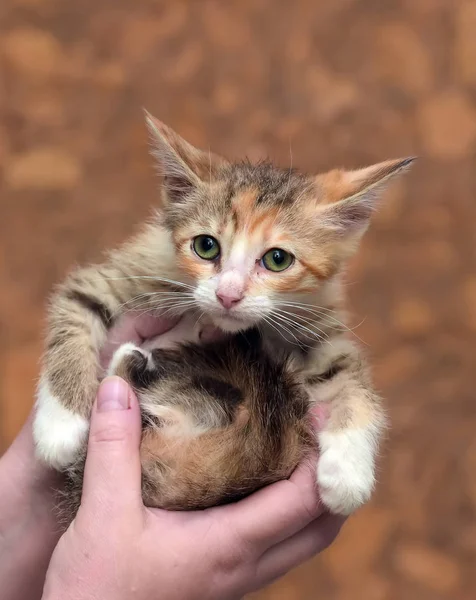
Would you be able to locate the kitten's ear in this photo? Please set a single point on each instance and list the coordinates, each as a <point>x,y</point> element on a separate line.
<point>182,166</point>
<point>348,198</point>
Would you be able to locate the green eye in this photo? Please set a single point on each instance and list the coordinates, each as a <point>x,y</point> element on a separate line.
<point>206,247</point>
<point>277,260</point>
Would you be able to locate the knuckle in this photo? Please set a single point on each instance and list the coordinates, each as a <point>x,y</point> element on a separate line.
<point>311,505</point>
<point>236,552</point>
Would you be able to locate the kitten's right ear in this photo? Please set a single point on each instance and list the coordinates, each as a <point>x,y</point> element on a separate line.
<point>182,166</point>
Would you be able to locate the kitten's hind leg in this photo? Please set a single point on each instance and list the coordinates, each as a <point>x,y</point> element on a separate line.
<point>128,359</point>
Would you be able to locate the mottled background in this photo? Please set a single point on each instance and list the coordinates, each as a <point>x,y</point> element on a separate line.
<point>331,82</point>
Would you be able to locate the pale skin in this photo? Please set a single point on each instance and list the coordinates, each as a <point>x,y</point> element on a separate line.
<point>116,545</point>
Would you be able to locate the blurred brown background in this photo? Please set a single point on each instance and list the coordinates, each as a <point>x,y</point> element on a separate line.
<point>331,82</point>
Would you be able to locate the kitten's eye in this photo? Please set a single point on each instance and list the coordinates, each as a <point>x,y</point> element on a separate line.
<point>277,260</point>
<point>206,247</point>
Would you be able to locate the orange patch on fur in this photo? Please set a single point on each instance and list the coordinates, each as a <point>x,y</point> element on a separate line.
<point>256,222</point>
<point>192,266</point>
<point>264,220</point>
<point>334,186</point>
<point>318,272</point>
<point>242,207</point>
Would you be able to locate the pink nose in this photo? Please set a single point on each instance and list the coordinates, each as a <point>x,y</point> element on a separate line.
<point>228,300</point>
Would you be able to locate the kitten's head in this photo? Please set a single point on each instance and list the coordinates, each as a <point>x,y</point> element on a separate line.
<point>256,239</point>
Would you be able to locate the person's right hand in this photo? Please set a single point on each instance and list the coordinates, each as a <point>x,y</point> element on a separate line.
<point>117,549</point>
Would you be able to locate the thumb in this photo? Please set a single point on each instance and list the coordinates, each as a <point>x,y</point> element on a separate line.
<point>112,475</point>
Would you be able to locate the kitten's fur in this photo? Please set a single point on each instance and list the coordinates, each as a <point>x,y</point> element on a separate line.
<point>219,421</point>
<point>222,419</point>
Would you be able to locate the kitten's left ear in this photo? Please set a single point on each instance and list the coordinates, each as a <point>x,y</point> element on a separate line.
<point>183,166</point>
<point>348,198</point>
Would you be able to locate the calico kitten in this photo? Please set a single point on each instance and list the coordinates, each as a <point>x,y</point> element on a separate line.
<point>238,246</point>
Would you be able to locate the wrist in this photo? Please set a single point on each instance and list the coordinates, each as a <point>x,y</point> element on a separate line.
<point>25,552</point>
<point>28,527</point>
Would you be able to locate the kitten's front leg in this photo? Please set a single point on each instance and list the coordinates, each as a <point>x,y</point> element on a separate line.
<point>80,315</point>
<point>353,426</point>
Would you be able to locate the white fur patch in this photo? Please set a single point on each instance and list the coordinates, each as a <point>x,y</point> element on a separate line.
<point>58,432</point>
<point>345,469</point>
<point>248,313</point>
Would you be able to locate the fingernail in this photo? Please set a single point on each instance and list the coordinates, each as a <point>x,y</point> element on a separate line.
<point>113,394</point>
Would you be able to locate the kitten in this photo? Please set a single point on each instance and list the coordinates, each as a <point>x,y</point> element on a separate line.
<point>242,247</point>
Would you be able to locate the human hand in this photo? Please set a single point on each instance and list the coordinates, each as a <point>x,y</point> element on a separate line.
<point>29,530</point>
<point>117,549</point>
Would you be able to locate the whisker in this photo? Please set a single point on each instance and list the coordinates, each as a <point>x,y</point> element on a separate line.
<point>178,307</point>
<point>271,324</point>
<point>282,323</point>
<point>313,334</point>
<point>303,304</point>
<point>147,277</point>
<point>200,317</point>
<point>168,305</point>
<point>317,310</point>
<point>146,307</point>
<point>306,320</point>
<point>290,170</point>
<point>149,295</point>
<point>276,326</point>
<point>323,317</point>
<point>210,165</point>
<point>322,334</point>
<point>139,302</point>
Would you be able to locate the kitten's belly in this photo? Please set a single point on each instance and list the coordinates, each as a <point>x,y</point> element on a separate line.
<point>218,421</point>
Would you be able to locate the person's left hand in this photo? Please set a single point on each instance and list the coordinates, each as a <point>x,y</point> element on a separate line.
<point>28,527</point>
<point>29,530</point>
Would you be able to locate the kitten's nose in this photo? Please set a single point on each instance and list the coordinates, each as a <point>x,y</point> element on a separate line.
<point>228,299</point>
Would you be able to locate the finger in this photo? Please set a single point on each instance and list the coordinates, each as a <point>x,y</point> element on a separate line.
<point>112,476</point>
<point>302,546</point>
<point>277,511</point>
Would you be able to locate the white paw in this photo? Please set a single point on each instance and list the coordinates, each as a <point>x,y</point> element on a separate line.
<point>59,433</point>
<point>345,469</point>
<point>127,350</point>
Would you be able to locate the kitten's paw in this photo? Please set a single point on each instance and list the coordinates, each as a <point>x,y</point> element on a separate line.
<point>345,469</point>
<point>58,432</point>
<point>129,355</point>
